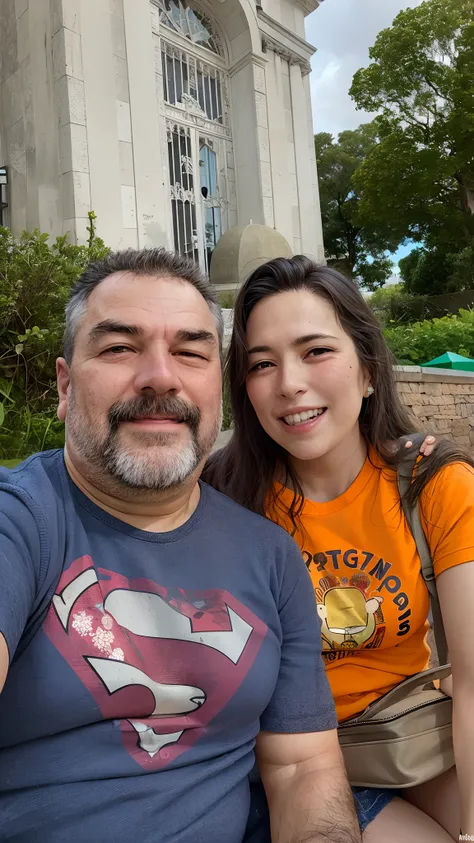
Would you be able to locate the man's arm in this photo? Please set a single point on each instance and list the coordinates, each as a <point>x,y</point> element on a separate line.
<point>309,797</point>
<point>3,661</point>
<point>20,563</point>
<point>456,594</point>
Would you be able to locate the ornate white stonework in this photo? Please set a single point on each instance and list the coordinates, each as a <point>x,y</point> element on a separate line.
<point>174,120</point>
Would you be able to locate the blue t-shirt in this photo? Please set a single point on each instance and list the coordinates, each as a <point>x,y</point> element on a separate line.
<point>144,664</point>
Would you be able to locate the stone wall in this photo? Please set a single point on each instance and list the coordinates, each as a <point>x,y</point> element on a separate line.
<point>441,400</point>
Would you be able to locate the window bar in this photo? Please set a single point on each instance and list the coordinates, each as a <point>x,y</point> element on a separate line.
<point>198,199</point>
<point>214,97</point>
<point>174,77</point>
<point>193,77</point>
<point>189,230</point>
<point>209,108</point>
<point>165,75</point>
<point>176,145</point>
<point>203,78</point>
<point>220,116</point>
<point>182,59</point>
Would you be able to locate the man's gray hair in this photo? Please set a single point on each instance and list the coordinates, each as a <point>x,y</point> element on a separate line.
<point>157,262</point>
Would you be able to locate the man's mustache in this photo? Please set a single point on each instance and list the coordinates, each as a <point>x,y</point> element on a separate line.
<point>145,406</point>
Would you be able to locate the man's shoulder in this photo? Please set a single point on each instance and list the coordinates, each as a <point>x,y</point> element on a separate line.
<point>36,478</point>
<point>235,516</point>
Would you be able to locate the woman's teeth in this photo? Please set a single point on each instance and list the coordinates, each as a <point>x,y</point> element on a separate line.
<point>299,418</point>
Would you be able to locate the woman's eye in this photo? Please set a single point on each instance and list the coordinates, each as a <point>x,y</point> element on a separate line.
<point>258,367</point>
<point>317,352</point>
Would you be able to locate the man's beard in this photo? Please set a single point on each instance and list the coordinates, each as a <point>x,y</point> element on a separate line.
<point>163,464</point>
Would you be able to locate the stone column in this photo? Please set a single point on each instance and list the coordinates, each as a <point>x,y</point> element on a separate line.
<point>152,199</point>
<point>308,211</point>
<point>250,136</point>
<point>68,73</point>
<point>281,146</point>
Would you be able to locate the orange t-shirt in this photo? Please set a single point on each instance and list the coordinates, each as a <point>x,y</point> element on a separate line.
<point>371,597</point>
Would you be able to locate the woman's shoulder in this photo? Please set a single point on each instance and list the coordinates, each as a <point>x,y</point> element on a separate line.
<point>456,479</point>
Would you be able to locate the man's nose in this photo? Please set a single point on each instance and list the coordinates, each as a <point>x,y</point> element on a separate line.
<point>158,372</point>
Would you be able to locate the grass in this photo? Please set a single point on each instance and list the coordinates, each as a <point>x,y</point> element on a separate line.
<point>9,463</point>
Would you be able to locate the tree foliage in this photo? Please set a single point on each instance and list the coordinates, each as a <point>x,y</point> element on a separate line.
<point>418,179</point>
<point>356,249</point>
<point>35,281</point>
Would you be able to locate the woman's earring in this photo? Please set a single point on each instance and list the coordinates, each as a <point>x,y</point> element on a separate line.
<point>370,390</point>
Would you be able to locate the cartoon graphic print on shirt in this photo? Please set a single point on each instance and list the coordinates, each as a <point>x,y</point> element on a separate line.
<point>161,661</point>
<point>348,617</point>
<point>351,607</point>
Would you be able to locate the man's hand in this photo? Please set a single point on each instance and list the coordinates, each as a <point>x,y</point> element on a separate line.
<point>427,446</point>
<point>309,797</point>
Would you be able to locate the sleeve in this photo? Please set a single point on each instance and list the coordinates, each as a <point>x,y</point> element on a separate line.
<point>302,700</point>
<point>447,507</point>
<point>20,554</point>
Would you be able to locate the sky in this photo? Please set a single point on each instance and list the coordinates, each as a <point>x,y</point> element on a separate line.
<point>343,31</point>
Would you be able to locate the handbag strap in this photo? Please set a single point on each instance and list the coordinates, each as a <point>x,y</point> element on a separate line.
<point>401,691</point>
<point>405,469</point>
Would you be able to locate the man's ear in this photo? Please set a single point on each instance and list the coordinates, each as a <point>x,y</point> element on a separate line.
<point>63,380</point>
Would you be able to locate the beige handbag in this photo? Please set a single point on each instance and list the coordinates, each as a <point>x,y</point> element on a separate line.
<point>405,737</point>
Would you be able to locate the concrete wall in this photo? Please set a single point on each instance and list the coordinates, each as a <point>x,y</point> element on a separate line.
<point>442,401</point>
<point>29,117</point>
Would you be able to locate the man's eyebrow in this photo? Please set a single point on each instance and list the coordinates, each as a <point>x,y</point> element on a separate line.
<point>299,341</point>
<point>108,326</point>
<point>199,335</point>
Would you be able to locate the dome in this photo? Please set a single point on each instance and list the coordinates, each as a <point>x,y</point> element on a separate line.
<point>242,249</point>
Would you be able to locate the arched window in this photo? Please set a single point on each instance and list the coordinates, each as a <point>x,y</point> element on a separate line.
<point>196,109</point>
<point>193,25</point>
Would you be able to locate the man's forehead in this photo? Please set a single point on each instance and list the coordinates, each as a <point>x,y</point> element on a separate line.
<point>146,298</point>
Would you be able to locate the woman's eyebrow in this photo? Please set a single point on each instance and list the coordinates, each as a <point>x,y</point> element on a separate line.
<point>299,341</point>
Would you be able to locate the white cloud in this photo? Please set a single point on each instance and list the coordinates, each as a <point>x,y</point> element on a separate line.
<point>343,31</point>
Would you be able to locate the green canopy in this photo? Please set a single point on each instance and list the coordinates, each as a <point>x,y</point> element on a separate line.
<point>451,361</point>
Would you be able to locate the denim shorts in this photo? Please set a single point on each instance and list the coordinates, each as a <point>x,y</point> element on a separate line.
<point>369,801</point>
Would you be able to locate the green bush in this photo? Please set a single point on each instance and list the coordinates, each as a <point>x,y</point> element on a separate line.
<point>227,299</point>
<point>419,342</point>
<point>388,302</point>
<point>35,280</point>
<point>227,420</point>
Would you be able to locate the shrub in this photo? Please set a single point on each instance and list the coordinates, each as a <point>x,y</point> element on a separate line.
<point>35,280</point>
<point>227,299</point>
<point>422,341</point>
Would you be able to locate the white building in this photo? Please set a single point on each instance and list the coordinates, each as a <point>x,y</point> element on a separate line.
<point>172,120</point>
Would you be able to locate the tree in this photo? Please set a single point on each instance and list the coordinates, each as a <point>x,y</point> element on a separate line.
<point>425,270</point>
<point>357,250</point>
<point>418,178</point>
<point>437,271</point>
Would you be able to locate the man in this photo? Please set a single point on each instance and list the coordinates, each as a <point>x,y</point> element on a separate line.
<point>151,629</point>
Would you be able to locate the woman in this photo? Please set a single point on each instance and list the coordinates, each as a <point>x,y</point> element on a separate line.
<point>315,404</point>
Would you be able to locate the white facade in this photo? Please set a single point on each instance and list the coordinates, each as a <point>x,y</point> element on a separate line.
<point>172,121</point>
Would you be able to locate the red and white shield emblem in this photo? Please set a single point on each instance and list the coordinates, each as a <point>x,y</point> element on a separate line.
<point>163,662</point>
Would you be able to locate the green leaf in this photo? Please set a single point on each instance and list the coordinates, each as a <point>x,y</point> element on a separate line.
<point>2,414</point>
<point>19,348</point>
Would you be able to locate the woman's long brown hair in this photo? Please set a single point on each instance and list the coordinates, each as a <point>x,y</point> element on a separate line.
<point>246,468</point>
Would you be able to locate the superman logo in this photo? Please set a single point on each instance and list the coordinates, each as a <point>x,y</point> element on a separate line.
<point>163,662</point>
